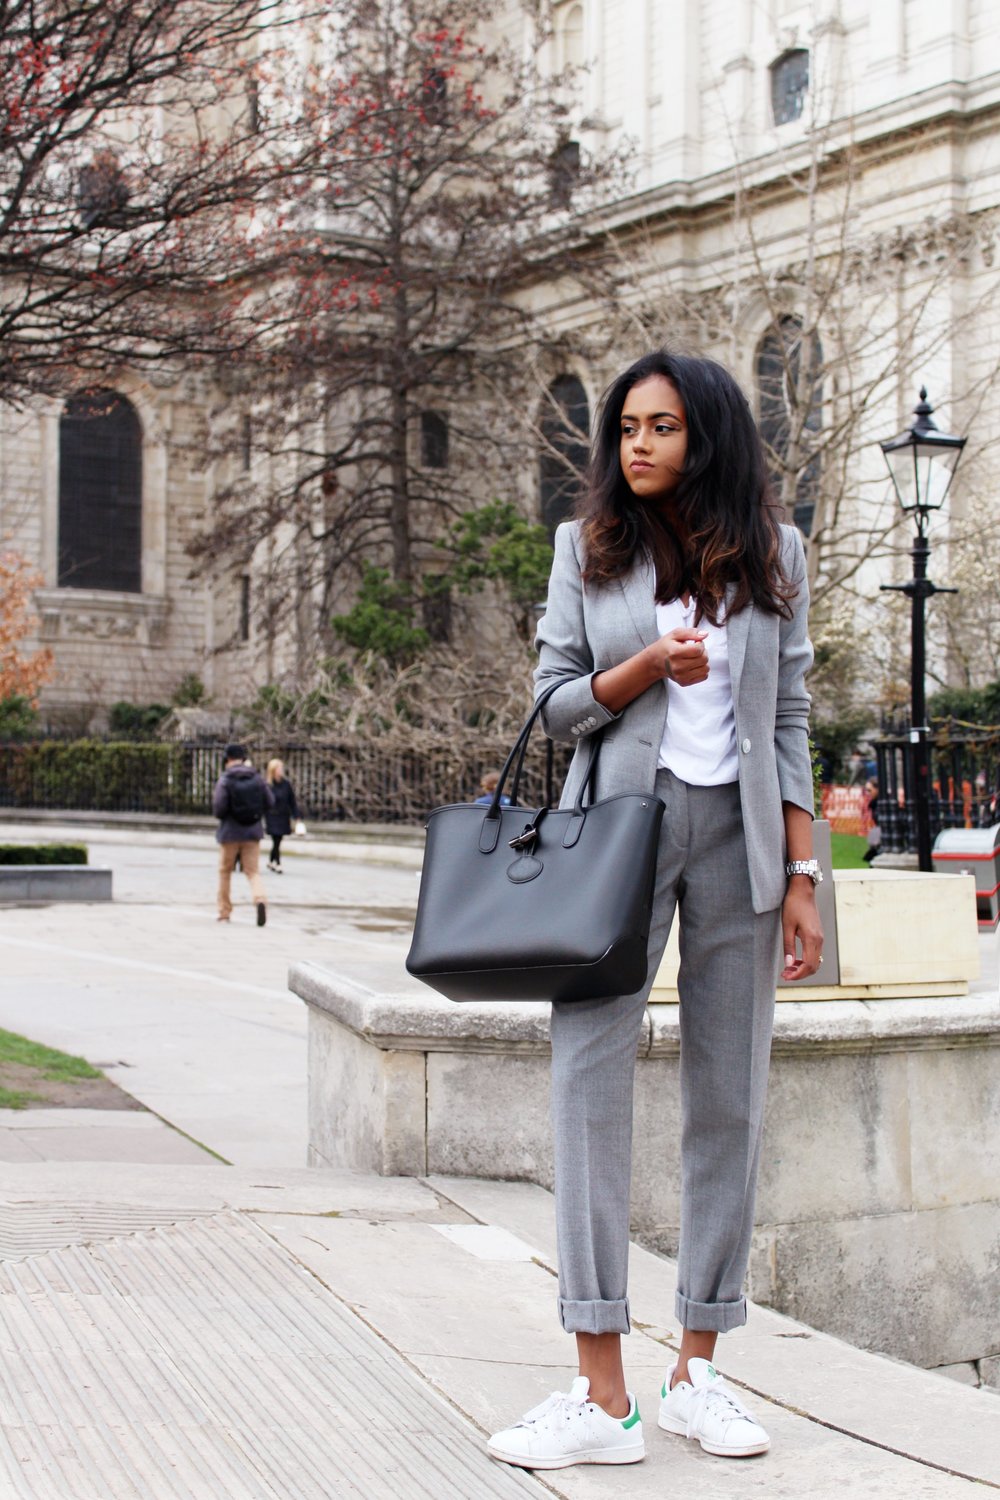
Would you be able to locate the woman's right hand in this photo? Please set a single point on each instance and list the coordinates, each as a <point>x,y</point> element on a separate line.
<point>682,656</point>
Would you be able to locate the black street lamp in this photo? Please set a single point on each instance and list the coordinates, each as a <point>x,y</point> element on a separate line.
<point>922,463</point>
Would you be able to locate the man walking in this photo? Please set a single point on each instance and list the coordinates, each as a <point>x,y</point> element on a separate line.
<point>239,801</point>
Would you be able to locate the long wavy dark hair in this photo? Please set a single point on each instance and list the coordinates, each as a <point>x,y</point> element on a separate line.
<point>723,498</point>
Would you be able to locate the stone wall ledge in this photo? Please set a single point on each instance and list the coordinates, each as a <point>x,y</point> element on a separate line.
<point>422,1021</point>
<point>418,1020</point>
<point>46,883</point>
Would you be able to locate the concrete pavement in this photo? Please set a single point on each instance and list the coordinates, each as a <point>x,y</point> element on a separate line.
<point>174,1328</point>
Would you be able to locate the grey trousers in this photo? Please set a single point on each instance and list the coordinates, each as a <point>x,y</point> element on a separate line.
<point>728,970</point>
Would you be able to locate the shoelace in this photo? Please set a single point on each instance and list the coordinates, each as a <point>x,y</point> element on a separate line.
<point>560,1403</point>
<point>727,1407</point>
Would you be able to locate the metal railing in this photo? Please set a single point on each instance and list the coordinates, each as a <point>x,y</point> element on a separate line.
<point>342,782</point>
<point>965,785</point>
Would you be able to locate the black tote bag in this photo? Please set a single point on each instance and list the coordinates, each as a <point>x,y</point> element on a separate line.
<point>537,904</point>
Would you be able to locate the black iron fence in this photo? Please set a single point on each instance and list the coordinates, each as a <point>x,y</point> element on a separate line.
<point>965,785</point>
<point>342,782</point>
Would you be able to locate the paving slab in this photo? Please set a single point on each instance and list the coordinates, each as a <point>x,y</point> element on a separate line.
<point>197,1360</point>
<point>193,1017</point>
<point>88,1135</point>
<point>219,1331</point>
<point>266,1330</point>
<point>879,1400</point>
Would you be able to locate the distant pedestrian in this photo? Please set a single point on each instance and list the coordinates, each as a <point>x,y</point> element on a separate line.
<point>873,832</point>
<point>279,817</point>
<point>240,800</point>
<point>855,766</point>
<point>487,787</point>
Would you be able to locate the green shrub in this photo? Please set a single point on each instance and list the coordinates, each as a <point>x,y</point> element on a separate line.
<point>18,717</point>
<point>817,770</point>
<point>969,705</point>
<point>43,854</point>
<point>189,692</point>
<point>136,721</point>
<point>381,620</point>
<point>112,776</point>
<point>834,739</point>
<point>498,543</point>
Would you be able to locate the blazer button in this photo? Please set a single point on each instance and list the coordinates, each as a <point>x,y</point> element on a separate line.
<point>745,747</point>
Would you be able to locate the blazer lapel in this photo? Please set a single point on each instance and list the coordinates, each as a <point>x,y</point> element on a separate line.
<point>639,588</point>
<point>737,630</point>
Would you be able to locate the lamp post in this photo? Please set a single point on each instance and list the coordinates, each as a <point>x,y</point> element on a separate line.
<point>922,463</point>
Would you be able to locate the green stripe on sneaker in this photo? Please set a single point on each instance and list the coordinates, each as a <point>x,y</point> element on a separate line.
<point>631,1421</point>
<point>663,1392</point>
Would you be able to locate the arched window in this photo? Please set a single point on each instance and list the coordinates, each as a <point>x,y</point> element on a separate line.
<point>790,403</point>
<point>100,494</point>
<point>565,427</point>
<point>789,85</point>
<point>572,37</point>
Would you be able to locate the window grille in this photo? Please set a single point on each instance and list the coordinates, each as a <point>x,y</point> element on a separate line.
<point>789,85</point>
<point>100,494</point>
<point>565,448</point>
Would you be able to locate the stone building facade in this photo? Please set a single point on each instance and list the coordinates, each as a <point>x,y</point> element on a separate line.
<point>766,137</point>
<point>105,522</point>
<point>830,172</point>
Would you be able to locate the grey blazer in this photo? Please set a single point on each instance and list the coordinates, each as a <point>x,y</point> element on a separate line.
<point>587,628</point>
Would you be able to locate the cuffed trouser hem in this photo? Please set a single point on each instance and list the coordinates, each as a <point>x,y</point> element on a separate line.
<point>595,1317</point>
<point>709,1317</point>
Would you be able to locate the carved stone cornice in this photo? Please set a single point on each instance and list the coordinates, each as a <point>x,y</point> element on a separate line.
<point>102,615</point>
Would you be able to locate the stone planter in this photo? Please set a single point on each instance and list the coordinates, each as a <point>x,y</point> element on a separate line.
<point>878,1215</point>
<point>45,883</point>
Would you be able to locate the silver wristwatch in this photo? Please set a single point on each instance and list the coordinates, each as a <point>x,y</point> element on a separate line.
<point>808,867</point>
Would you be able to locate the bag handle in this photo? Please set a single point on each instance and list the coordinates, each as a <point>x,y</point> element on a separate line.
<point>523,739</point>
<point>519,751</point>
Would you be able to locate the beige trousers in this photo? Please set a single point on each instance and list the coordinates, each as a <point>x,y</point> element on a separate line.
<point>249,853</point>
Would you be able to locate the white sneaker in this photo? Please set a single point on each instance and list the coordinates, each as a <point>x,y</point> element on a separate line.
<point>570,1429</point>
<point>708,1411</point>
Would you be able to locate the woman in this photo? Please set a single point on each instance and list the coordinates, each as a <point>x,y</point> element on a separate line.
<point>279,817</point>
<point>676,622</point>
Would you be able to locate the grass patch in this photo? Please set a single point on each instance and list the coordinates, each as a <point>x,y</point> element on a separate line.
<point>46,1061</point>
<point>848,850</point>
<point>16,1098</point>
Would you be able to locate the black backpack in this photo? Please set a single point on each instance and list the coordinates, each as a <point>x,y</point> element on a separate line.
<point>246,799</point>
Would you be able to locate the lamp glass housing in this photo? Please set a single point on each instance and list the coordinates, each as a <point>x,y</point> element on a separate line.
<point>922,470</point>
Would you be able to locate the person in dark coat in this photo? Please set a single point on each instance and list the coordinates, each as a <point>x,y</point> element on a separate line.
<point>240,800</point>
<point>280,817</point>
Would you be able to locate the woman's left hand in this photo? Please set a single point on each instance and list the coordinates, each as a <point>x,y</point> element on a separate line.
<point>800,919</point>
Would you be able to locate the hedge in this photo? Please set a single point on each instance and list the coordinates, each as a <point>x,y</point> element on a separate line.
<point>94,775</point>
<point>43,854</point>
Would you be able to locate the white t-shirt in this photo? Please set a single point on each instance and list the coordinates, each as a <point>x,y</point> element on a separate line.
<point>699,737</point>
